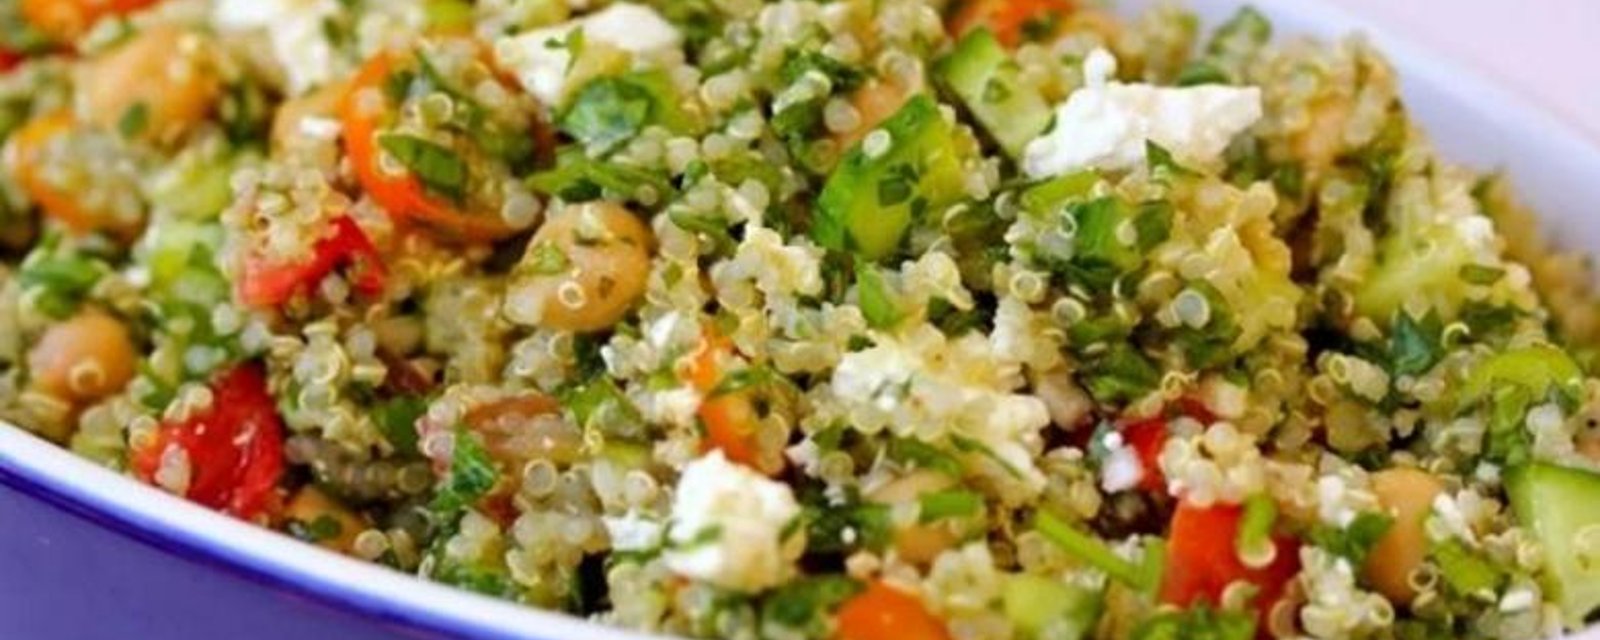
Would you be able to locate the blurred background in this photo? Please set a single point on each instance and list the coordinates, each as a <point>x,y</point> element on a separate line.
<point>1546,50</point>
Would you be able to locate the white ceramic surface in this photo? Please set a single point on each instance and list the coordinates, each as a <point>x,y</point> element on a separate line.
<point>1470,119</point>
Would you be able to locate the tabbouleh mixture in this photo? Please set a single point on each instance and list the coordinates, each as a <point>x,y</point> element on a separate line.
<point>858,319</point>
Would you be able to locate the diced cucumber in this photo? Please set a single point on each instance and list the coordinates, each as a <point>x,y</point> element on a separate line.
<point>989,83</point>
<point>1035,603</point>
<point>1561,506</point>
<point>180,257</point>
<point>871,200</point>
<point>1538,368</point>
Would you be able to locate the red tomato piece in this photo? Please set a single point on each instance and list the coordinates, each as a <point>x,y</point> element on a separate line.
<point>1202,560</point>
<point>1147,437</point>
<point>1196,409</point>
<point>9,59</point>
<point>1008,19</point>
<point>883,612</point>
<point>265,284</point>
<point>234,447</point>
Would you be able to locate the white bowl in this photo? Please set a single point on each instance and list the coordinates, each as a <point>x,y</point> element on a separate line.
<point>1553,165</point>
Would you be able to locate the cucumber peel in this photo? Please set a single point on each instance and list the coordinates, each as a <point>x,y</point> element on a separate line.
<point>988,81</point>
<point>1560,507</point>
<point>871,200</point>
<point>1035,604</point>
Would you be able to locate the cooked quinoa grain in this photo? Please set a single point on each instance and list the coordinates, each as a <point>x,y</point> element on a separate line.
<point>925,319</point>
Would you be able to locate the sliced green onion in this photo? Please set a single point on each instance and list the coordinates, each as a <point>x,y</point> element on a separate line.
<point>1254,542</point>
<point>1144,576</point>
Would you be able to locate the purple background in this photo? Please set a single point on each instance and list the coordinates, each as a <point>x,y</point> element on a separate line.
<point>114,585</point>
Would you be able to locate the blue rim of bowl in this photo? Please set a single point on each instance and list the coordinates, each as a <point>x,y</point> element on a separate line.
<point>25,467</point>
<point>393,614</point>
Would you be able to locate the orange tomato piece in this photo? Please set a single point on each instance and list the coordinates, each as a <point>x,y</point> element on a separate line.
<point>67,20</point>
<point>365,111</point>
<point>883,612</point>
<point>729,417</point>
<point>28,151</point>
<point>1008,19</point>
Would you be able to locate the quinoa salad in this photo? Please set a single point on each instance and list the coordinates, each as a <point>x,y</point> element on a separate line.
<point>848,319</point>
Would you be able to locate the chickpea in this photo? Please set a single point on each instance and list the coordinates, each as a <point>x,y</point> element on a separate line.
<point>83,359</point>
<point>164,70</point>
<point>312,508</point>
<point>918,543</point>
<point>526,427</point>
<point>1408,496</point>
<point>584,269</point>
<point>1589,447</point>
<point>290,129</point>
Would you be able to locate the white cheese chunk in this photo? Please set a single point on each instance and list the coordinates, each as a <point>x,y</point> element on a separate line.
<point>295,29</point>
<point>731,527</point>
<point>633,532</point>
<point>1105,125</point>
<point>540,58</point>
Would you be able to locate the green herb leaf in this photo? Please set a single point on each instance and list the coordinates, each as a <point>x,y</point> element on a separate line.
<point>1200,72</point>
<point>877,304</point>
<point>546,259</point>
<point>921,455</point>
<point>63,279</point>
<point>580,178</point>
<point>804,605</point>
<point>1481,274</point>
<point>1162,165</point>
<point>956,503</point>
<point>599,404</point>
<point>1104,254</point>
<point>1465,572</point>
<point>1122,374</point>
<point>134,120</point>
<point>1414,346</point>
<point>1355,541</point>
<point>397,419</point>
<point>1197,623</point>
<point>472,475</point>
<point>606,113</point>
<point>439,168</point>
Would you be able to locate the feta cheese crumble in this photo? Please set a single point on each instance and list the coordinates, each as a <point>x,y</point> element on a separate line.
<point>540,57</point>
<point>1105,124</point>
<point>731,526</point>
<point>296,30</point>
<point>922,384</point>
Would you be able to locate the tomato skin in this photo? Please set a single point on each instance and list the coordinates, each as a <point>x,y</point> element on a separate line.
<point>730,418</point>
<point>1202,560</point>
<point>9,59</point>
<point>67,20</point>
<point>234,447</point>
<point>268,285</point>
<point>1147,437</point>
<point>403,196</point>
<point>883,612</point>
<point>1006,18</point>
